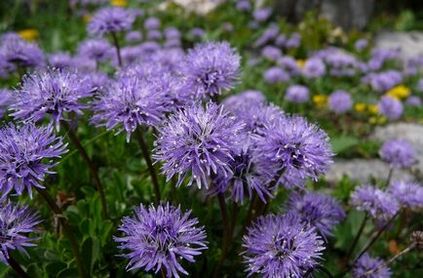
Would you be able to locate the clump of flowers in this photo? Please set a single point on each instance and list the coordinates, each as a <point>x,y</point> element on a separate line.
<point>380,205</point>
<point>197,141</point>
<point>369,267</point>
<point>16,223</point>
<point>27,155</point>
<point>110,20</point>
<point>211,68</point>
<point>52,92</point>
<point>281,246</point>
<point>399,153</point>
<point>160,238</point>
<point>317,210</point>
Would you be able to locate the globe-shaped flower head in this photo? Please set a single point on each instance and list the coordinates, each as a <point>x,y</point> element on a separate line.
<point>399,153</point>
<point>110,20</point>
<point>95,49</point>
<point>368,267</point>
<point>197,141</point>
<point>340,102</point>
<point>297,149</point>
<point>159,238</point>
<point>211,68</point>
<point>281,246</point>
<point>130,102</point>
<point>378,204</point>
<point>27,154</point>
<point>297,94</point>
<point>16,222</point>
<point>317,210</point>
<point>52,92</point>
<point>408,194</point>
<point>390,107</point>
<point>21,53</point>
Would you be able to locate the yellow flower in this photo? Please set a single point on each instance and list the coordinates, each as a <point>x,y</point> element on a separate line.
<point>320,100</point>
<point>119,3</point>
<point>360,107</point>
<point>382,120</point>
<point>399,92</point>
<point>373,120</point>
<point>373,108</point>
<point>29,34</point>
<point>300,63</point>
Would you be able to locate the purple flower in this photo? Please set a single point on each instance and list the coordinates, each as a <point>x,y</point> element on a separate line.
<point>380,205</point>
<point>296,148</point>
<point>262,14</point>
<point>281,246</point>
<point>6,98</point>
<point>289,64</point>
<point>409,194</point>
<point>211,68</point>
<point>275,75</point>
<point>297,94</point>
<point>152,23</point>
<point>159,238</point>
<point>51,92</point>
<point>110,20</point>
<point>27,155</point>
<point>361,44</point>
<point>414,101</point>
<point>399,153</point>
<point>16,223</point>
<point>271,53</point>
<point>313,68</point>
<point>294,41</point>
<point>269,34</point>
<point>154,35</point>
<point>197,141</point>
<point>130,102</point>
<point>368,267</point>
<point>317,210</point>
<point>95,49</point>
<point>340,102</point>
<point>133,36</point>
<point>383,81</point>
<point>21,53</point>
<point>242,101</point>
<point>60,60</point>
<point>243,5</point>
<point>172,33</point>
<point>197,32</point>
<point>390,107</point>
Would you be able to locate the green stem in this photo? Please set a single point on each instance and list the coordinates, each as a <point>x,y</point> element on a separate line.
<point>91,166</point>
<point>225,235</point>
<point>150,166</point>
<point>357,237</point>
<point>116,43</point>
<point>66,229</point>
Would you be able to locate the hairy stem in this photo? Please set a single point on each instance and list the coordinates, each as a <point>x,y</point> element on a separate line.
<point>91,166</point>
<point>150,166</point>
<point>66,229</point>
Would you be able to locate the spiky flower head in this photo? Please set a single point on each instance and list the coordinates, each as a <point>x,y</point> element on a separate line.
<point>399,153</point>
<point>6,98</point>
<point>211,68</point>
<point>160,238</point>
<point>369,267</point>
<point>390,107</point>
<point>317,210</point>
<point>281,246</point>
<point>110,20</point>
<point>52,92</point>
<point>98,50</point>
<point>340,102</point>
<point>296,148</point>
<point>197,141</point>
<point>27,154</point>
<point>16,223</point>
<point>130,102</point>
<point>380,205</point>
<point>21,53</point>
<point>408,194</point>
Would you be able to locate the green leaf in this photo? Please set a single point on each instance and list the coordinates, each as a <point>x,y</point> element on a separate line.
<point>343,142</point>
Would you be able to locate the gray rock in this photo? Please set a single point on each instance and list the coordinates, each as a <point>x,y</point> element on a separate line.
<point>410,43</point>
<point>363,170</point>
